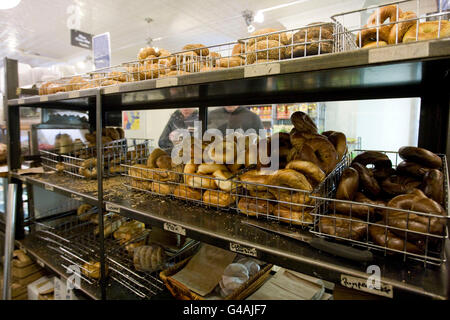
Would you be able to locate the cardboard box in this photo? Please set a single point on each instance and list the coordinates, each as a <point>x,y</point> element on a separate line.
<point>42,287</point>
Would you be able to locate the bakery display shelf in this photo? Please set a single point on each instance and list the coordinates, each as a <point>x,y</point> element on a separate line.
<point>83,190</point>
<point>344,71</point>
<point>44,256</point>
<point>78,100</point>
<point>226,230</point>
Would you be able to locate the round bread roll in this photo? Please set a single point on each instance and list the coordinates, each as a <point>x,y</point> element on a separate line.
<point>201,181</point>
<point>227,185</point>
<point>82,210</point>
<point>184,192</point>
<point>161,188</point>
<point>145,52</point>
<point>238,49</point>
<point>209,168</point>
<point>218,198</point>
<point>148,258</point>
<point>230,62</point>
<point>427,30</point>
<point>340,226</point>
<point>420,155</point>
<point>164,162</point>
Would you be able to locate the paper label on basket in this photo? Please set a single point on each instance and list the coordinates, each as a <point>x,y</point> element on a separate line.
<point>365,285</point>
<point>393,53</point>
<point>258,70</point>
<point>49,187</point>
<point>43,98</point>
<point>112,208</point>
<point>74,94</point>
<point>238,248</point>
<point>174,228</point>
<point>166,82</point>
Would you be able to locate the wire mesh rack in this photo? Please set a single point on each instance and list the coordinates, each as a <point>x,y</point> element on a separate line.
<point>391,23</point>
<point>74,238</point>
<point>389,231</point>
<point>82,163</point>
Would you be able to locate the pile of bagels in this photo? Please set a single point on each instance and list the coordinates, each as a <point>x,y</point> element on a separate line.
<point>235,175</point>
<point>403,30</point>
<point>416,184</point>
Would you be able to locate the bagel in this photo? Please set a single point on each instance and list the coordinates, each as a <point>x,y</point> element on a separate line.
<point>262,194</point>
<point>254,180</point>
<point>382,236</point>
<point>303,123</point>
<point>427,30</point>
<point>268,50</point>
<point>233,168</point>
<point>370,33</point>
<point>201,181</point>
<point>139,171</point>
<point>289,178</point>
<point>367,213</point>
<point>412,169</point>
<point>338,225</point>
<point>374,44</point>
<point>415,201</point>
<point>199,49</point>
<point>218,198</point>
<point>145,52</point>
<point>82,210</point>
<point>209,168</point>
<point>164,162</point>
<point>227,185</point>
<point>382,173</point>
<point>377,159</point>
<point>156,153</point>
<point>339,141</point>
<point>238,49</point>
<point>348,184</point>
<point>309,169</point>
<point>222,152</point>
<point>140,184</point>
<point>368,183</point>
<point>161,188</point>
<point>184,192</point>
<point>420,155</point>
<point>279,37</point>
<point>301,217</point>
<point>399,29</point>
<point>254,207</point>
<point>88,173</point>
<point>325,153</point>
<point>433,185</point>
<point>396,185</point>
<point>230,62</point>
<point>305,154</point>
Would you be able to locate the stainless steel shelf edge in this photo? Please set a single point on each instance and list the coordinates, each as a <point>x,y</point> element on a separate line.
<point>72,98</point>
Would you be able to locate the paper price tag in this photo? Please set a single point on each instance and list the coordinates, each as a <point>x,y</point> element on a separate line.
<point>174,228</point>
<point>166,82</point>
<point>238,248</point>
<point>21,101</point>
<point>74,196</point>
<point>74,94</point>
<point>43,98</point>
<point>380,289</point>
<point>112,208</point>
<point>49,187</point>
<point>258,70</point>
<point>113,89</point>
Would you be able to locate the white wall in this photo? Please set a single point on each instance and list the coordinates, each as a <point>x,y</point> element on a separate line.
<point>382,124</point>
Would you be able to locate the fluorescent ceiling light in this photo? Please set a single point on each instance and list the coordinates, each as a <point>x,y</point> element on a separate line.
<point>8,4</point>
<point>259,17</point>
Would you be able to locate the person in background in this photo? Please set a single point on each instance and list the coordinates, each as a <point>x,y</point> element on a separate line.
<point>180,119</point>
<point>234,117</point>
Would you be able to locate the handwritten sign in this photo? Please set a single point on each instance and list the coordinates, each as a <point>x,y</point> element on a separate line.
<point>238,248</point>
<point>360,284</point>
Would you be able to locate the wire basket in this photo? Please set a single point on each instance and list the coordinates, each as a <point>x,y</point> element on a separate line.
<point>391,23</point>
<point>287,205</point>
<point>374,226</point>
<point>82,163</point>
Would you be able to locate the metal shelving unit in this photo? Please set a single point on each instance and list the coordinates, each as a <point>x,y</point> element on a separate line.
<point>408,70</point>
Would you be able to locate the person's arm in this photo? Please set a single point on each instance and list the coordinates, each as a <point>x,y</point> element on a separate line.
<point>164,141</point>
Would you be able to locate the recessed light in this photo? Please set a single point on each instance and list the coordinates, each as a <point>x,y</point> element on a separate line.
<point>8,4</point>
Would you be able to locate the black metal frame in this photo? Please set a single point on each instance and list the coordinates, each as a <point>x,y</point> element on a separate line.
<point>424,78</point>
